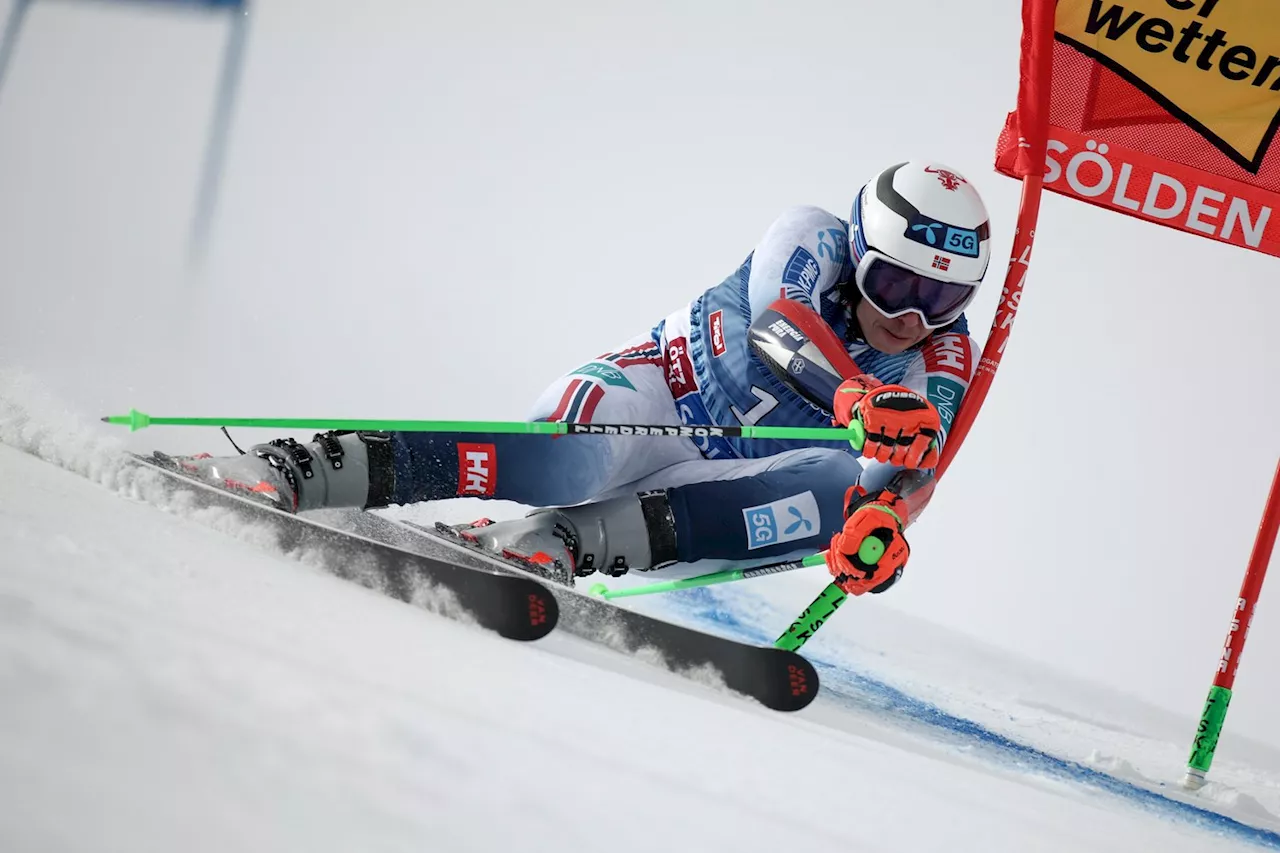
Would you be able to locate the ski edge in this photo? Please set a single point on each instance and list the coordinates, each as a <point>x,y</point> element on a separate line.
<point>779,679</point>
<point>516,607</point>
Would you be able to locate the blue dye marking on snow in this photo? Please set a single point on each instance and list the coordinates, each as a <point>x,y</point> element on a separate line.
<point>842,685</point>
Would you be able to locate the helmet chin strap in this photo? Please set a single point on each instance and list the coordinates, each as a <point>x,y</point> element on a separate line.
<point>851,297</point>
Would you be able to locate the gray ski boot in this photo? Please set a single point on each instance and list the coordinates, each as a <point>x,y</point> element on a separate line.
<point>332,470</point>
<point>610,536</point>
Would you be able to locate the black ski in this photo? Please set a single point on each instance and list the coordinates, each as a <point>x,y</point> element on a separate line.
<point>515,606</point>
<point>778,679</point>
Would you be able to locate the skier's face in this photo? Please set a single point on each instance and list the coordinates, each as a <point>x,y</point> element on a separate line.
<point>888,335</point>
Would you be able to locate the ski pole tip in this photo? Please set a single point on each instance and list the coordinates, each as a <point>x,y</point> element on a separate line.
<point>135,420</point>
<point>597,590</point>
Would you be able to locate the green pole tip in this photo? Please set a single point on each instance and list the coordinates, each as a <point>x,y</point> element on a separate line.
<point>135,420</point>
<point>597,590</point>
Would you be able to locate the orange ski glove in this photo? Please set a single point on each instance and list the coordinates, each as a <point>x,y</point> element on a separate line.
<point>869,554</point>
<point>902,426</point>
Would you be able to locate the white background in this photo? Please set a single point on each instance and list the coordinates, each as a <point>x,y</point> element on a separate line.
<point>431,210</point>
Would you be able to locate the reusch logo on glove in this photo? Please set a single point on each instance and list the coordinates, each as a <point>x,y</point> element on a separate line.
<point>901,401</point>
<point>477,469</point>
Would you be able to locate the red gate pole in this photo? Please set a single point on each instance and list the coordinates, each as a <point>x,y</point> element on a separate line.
<point>1019,261</point>
<point>1215,707</point>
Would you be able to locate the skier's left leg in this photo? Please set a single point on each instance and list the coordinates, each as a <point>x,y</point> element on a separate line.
<point>740,510</point>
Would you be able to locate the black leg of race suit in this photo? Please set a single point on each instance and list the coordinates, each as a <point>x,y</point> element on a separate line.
<point>538,470</point>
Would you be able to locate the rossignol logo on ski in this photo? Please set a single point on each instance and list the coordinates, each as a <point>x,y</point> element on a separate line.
<point>477,469</point>
<point>716,324</point>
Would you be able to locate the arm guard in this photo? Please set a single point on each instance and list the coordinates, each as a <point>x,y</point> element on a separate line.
<point>798,346</point>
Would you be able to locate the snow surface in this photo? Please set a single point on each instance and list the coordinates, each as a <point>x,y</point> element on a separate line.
<point>171,680</point>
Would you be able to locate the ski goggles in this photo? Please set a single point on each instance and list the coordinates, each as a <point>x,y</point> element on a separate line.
<point>894,290</point>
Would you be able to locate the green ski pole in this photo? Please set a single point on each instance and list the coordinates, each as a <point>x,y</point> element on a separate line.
<point>726,576</point>
<point>802,628</point>
<point>813,617</point>
<point>855,434</point>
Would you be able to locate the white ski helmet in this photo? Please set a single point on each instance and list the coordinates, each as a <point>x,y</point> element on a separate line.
<point>920,241</point>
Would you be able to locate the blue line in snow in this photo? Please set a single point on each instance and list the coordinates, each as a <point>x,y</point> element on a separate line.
<point>855,690</point>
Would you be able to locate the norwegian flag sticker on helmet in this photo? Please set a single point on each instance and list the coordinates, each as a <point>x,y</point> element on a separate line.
<point>941,262</point>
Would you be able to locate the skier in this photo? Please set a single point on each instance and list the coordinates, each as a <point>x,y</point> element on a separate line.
<point>825,322</point>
